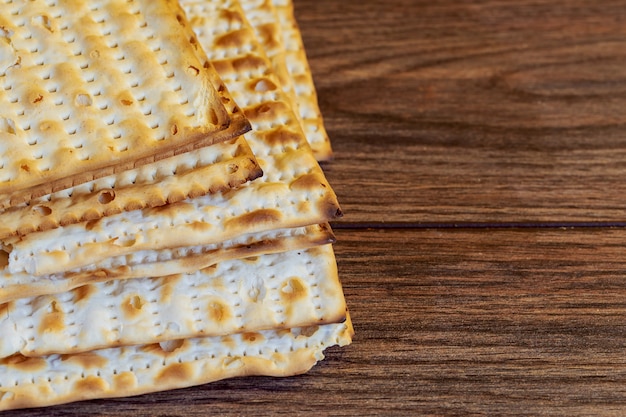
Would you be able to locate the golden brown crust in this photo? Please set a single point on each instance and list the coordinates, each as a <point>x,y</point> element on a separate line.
<point>234,165</point>
<point>20,286</point>
<point>188,173</point>
<point>209,170</point>
<point>302,79</point>
<point>289,289</point>
<point>278,32</point>
<point>143,369</point>
<point>109,101</point>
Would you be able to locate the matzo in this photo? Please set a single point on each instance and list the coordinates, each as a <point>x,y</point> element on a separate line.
<point>262,16</point>
<point>206,170</point>
<point>188,174</point>
<point>166,262</point>
<point>293,191</point>
<point>118,372</point>
<point>277,29</point>
<point>288,289</point>
<point>92,88</point>
<point>303,84</point>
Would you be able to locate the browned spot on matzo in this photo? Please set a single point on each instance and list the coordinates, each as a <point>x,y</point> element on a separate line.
<point>209,270</point>
<point>176,372</point>
<point>42,210</point>
<point>282,136</point>
<point>307,182</point>
<point>245,221</point>
<point>5,308</point>
<point>265,111</point>
<point>91,384</point>
<point>231,17</point>
<point>4,258</point>
<point>200,226</point>
<point>106,196</point>
<point>53,321</point>
<point>253,337</point>
<point>309,331</point>
<point>24,363</point>
<point>248,63</point>
<point>83,293</point>
<point>229,40</point>
<point>219,312</point>
<point>268,35</point>
<point>153,348</point>
<point>294,289</point>
<point>132,305</point>
<point>91,224</point>
<point>86,360</point>
<point>124,381</point>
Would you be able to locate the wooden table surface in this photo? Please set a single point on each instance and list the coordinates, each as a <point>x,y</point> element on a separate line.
<point>480,158</point>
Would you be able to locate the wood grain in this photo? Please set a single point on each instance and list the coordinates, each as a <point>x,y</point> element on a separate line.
<point>491,111</point>
<point>498,322</point>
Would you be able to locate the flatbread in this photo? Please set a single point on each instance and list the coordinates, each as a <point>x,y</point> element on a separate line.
<point>304,87</point>
<point>206,170</point>
<point>118,372</point>
<point>188,174</point>
<point>293,191</point>
<point>166,262</point>
<point>247,313</point>
<point>262,16</point>
<point>90,89</point>
<point>278,31</point>
<point>287,289</point>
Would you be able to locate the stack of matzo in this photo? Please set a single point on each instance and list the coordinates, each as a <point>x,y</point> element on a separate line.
<point>145,249</point>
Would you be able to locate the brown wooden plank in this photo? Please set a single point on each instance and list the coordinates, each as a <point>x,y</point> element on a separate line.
<point>449,322</point>
<point>506,322</point>
<point>491,111</point>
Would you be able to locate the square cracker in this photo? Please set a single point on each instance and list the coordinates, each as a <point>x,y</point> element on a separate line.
<point>133,370</point>
<point>165,261</point>
<point>286,289</point>
<point>190,174</point>
<point>92,88</point>
<point>206,170</point>
<point>263,17</point>
<point>278,32</point>
<point>292,192</point>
